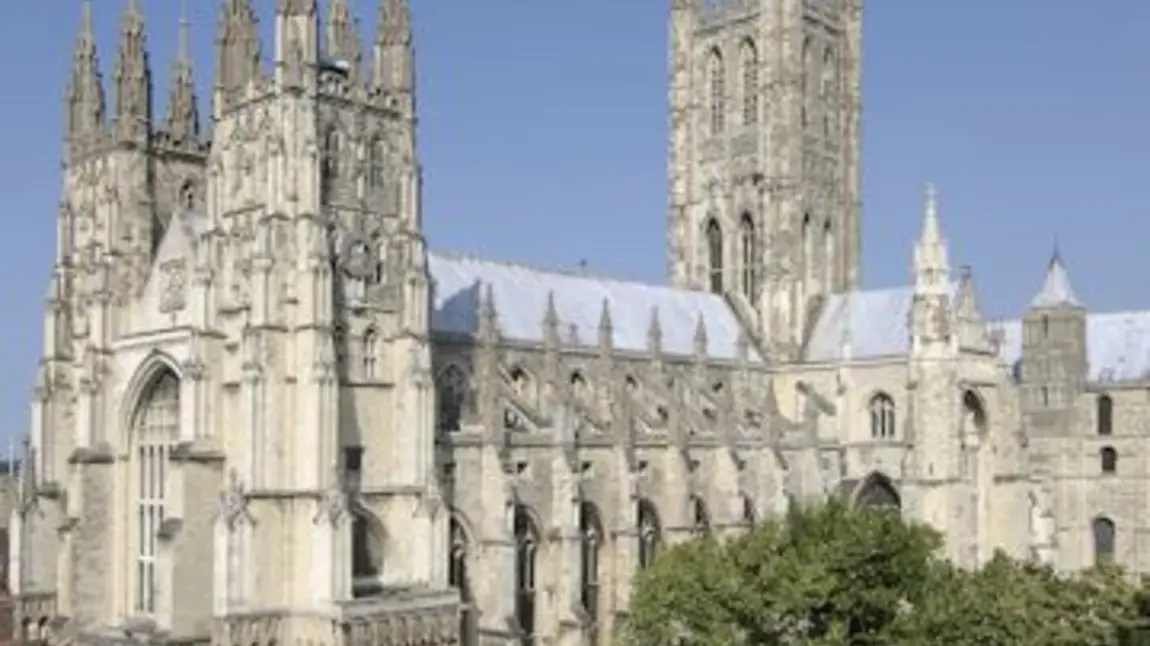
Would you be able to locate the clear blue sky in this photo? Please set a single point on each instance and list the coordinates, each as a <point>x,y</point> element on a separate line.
<point>542,135</point>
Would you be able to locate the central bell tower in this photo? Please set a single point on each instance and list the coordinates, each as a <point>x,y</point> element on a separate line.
<point>764,156</point>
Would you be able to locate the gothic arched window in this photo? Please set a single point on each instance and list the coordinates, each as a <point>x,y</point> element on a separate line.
<point>375,157</point>
<point>1105,415</point>
<point>330,160</point>
<point>650,532</point>
<point>714,235</point>
<point>1105,536</point>
<point>366,554</point>
<point>370,353</point>
<point>526,553</point>
<point>882,416</point>
<point>590,549</point>
<point>458,578</point>
<point>750,62</point>
<point>715,73</point>
<point>1109,458</point>
<point>748,247</point>
<point>155,430</point>
<point>700,517</point>
<point>451,388</point>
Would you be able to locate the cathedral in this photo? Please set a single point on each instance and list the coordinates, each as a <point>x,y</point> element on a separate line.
<point>266,414</point>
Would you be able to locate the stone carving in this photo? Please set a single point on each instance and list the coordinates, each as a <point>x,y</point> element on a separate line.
<point>233,504</point>
<point>174,296</point>
<point>1042,530</point>
<point>333,504</point>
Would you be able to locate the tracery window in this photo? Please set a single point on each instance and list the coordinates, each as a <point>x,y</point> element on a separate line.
<point>1105,415</point>
<point>330,161</point>
<point>828,94</point>
<point>714,235</point>
<point>750,63</point>
<point>1105,536</point>
<point>458,578</point>
<point>882,416</point>
<point>1109,458</point>
<point>701,517</point>
<point>526,553</point>
<point>370,353</point>
<point>590,548</point>
<point>715,73</point>
<point>375,157</point>
<point>650,532</point>
<point>366,554</point>
<point>452,389</point>
<point>749,251</point>
<point>156,429</point>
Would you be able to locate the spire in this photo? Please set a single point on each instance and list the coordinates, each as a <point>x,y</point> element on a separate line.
<point>1056,290</point>
<point>182,121</point>
<point>133,77</point>
<point>394,55</point>
<point>85,94</point>
<point>237,49</point>
<point>931,267</point>
<point>700,337</point>
<point>342,34</point>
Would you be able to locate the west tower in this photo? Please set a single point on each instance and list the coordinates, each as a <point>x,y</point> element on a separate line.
<point>764,155</point>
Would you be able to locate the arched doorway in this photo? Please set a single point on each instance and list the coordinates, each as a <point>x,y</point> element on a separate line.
<point>876,491</point>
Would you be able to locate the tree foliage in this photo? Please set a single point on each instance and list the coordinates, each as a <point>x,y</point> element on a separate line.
<point>836,575</point>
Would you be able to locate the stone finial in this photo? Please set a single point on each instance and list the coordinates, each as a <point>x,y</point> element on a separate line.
<point>488,323</point>
<point>701,337</point>
<point>606,329</point>
<point>655,333</point>
<point>551,321</point>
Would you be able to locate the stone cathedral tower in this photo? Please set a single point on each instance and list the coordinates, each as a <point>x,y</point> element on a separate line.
<point>764,156</point>
<point>232,432</point>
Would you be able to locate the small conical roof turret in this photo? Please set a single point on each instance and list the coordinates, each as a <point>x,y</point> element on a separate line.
<point>1056,290</point>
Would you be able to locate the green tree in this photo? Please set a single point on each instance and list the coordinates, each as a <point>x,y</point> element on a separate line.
<point>822,575</point>
<point>833,575</point>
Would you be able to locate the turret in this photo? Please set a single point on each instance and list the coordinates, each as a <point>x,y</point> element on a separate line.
<point>84,98</point>
<point>394,56</point>
<point>1054,366</point>
<point>296,44</point>
<point>237,52</point>
<point>342,37</point>
<point>133,80</point>
<point>182,121</point>
<point>930,320</point>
